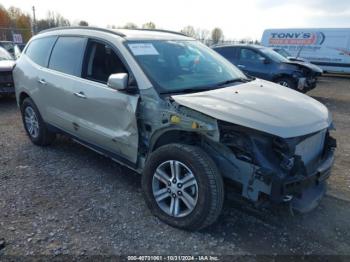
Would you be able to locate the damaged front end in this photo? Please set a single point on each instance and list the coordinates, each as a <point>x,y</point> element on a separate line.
<point>266,166</point>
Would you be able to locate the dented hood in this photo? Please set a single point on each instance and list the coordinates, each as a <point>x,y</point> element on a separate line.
<point>262,106</point>
<point>308,65</point>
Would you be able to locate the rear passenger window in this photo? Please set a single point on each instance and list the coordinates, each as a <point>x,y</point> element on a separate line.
<point>227,52</point>
<point>101,62</point>
<point>67,55</point>
<point>250,55</point>
<point>39,50</point>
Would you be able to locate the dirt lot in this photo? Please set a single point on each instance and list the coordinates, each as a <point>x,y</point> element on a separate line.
<point>66,199</point>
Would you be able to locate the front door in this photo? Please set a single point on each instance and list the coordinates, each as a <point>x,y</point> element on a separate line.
<point>105,117</point>
<point>253,63</point>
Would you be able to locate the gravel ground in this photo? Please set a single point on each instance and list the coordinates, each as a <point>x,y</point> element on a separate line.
<point>66,199</point>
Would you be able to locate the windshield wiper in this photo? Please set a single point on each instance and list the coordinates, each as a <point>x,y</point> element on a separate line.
<point>207,88</point>
<point>188,90</point>
<point>231,81</point>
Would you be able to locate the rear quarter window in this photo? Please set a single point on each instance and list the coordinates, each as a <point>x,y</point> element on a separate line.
<point>227,52</point>
<point>39,50</point>
<point>67,55</point>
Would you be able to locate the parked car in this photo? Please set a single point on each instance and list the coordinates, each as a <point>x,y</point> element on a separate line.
<point>12,48</point>
<point>178,113</point>
<point>6,66</point>
<point>318,71</point>
<point>264,63</point>
<point>329,48</point>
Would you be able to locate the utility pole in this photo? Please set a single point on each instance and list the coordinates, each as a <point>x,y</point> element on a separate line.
<point>34,27</point>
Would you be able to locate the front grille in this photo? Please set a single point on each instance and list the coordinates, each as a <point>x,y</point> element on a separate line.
<point>311,148</point>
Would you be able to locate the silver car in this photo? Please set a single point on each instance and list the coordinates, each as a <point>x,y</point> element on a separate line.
<point>178,113</point>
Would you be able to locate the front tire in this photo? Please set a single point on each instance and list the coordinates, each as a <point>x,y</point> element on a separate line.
<point>287,82</point>
<point>34,125</point>
<point>183,186</point>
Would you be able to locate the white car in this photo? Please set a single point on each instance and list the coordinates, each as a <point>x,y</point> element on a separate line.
<point>7,63</point>
<point>178,113</point>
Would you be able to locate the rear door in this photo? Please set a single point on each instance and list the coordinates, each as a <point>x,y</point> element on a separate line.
<point>105,117</point>
<point>32,72</point>
<point>61,78</point>
<point>252,63</point>
<point>228,52</point>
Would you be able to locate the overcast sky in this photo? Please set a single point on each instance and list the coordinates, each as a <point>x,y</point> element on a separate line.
<point>238,19</point>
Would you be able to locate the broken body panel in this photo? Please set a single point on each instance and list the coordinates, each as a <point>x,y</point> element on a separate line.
<point>269,139</point>
<point>283,160</point>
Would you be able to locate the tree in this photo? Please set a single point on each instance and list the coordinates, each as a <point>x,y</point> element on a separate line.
<point>216,35</point>
<point>189,31</point>
<point>20,23</point>
<point>202,35</point>
<point>42,24</point>
<point>130,26</point>
<point>52,20</point>
<point>149,25</point>
<point>83,23</point>
<point>5,22</point>
<point>56,19</point>
<point>4,17</point>
<point>23,22</point>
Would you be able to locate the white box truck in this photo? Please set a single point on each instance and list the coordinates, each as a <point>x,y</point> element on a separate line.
<point>329,48</point>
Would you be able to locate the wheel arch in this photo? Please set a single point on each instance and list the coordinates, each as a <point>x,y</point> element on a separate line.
<point>23,95</point>
<point>174,136</point>
<point>282,75</point>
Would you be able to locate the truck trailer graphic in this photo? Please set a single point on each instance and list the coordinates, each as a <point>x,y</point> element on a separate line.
<point>329,48</point>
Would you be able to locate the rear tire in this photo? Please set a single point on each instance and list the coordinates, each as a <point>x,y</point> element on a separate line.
<point>191,198</point>
<point>34,125</point>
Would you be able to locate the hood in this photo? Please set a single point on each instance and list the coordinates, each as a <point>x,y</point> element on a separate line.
<point>262,106</point>
<point>6,65</point>
<point>308,65</point>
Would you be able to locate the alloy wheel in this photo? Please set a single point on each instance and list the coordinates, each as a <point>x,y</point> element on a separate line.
<point>175,188</point>
<point>31,122</point>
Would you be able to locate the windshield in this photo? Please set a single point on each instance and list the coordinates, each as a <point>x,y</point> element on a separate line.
<point>4,55</point>
<point>180,66</point>
<point>274,55</point>
<point>282,52</point>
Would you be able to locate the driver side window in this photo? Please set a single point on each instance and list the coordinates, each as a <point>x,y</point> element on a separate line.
<point>250,56</point>
<point>101,62</point>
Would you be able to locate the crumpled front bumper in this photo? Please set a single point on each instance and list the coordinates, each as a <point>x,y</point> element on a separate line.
<point>305,191</point>
<point>306,84</point>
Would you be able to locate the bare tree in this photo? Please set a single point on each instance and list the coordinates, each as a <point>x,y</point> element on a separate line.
<point>189,31</point>
<point>149,25</point>
<point>83,23</point>
<point>202,35</point>
<point>130,26</point>
<point>217,35</point>
<point>52,20</point>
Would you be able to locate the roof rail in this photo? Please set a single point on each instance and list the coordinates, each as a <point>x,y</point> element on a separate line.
<point>83,27</point>
<point>159,30</point>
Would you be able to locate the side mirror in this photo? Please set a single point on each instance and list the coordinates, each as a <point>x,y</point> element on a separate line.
<point>118,81</point>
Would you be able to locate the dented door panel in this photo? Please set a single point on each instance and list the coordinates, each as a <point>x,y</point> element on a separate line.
<point>106,118</point>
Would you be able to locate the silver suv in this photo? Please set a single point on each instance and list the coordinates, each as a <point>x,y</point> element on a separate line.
<point>178,113</point>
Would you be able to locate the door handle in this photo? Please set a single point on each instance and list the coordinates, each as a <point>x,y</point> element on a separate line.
<point>80,95</point>
<point>42,81</point>
<point>241,66</point>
